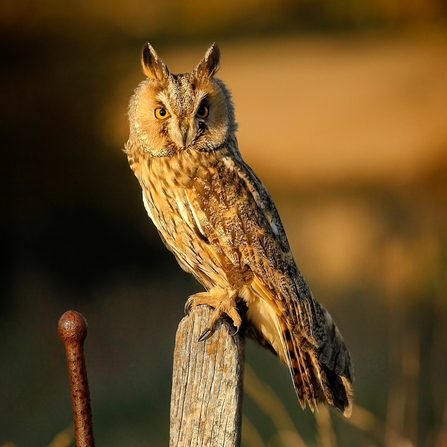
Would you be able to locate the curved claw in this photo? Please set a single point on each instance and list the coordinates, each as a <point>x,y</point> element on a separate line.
<point>206,334</point>
<point>209,331</point>
<point>236,330</point>
<point>188,305</point>
<point>224,305</point>
<point>191,302</point>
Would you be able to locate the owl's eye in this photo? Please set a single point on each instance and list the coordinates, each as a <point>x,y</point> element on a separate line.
<point>161,113</point>
<point>203,111</point>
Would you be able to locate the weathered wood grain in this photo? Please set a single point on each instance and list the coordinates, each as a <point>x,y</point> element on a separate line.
<point>206,395</point>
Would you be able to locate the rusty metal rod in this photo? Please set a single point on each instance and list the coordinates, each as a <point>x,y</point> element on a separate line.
<point>72,330</point>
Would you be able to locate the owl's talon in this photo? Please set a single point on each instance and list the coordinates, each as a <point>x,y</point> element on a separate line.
<point>189,305</point>
<point>206,334</point>
<point>209,331</point>
<point>233,314</point>
<point>196,300</point>
<point>222,302</point>
<point>235,331</point>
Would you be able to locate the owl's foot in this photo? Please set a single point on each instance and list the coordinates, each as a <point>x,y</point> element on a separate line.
<point>223,304</point>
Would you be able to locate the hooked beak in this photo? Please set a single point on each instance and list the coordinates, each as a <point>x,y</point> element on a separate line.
<point>183,133</point>
<point>184,127</point>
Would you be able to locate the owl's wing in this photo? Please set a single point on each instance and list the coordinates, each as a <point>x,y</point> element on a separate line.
<point>234,212</point>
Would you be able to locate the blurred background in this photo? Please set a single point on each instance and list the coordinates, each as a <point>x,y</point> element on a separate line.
<point>342,107</point>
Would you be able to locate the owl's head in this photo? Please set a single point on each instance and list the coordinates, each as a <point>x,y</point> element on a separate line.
<point>170,113</point>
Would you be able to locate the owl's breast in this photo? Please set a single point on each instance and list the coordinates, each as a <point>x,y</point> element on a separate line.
<point>165,195</point>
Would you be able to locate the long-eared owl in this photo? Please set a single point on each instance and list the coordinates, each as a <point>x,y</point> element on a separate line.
<point>218,219</point>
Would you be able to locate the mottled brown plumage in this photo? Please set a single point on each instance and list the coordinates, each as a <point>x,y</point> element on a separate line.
<point>218,219</point>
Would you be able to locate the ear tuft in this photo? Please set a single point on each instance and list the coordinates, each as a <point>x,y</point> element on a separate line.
<point>210,63</point>
<point>153,66</point>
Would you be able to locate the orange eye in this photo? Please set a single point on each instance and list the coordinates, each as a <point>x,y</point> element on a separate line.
<point>203,111</point>
<point>161,113</point>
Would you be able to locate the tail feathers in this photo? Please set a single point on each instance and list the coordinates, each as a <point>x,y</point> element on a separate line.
<point>318,378</point>
<point>319,363</point>
<point>302,376</point>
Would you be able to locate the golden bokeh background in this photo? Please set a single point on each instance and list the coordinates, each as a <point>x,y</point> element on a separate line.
<point>342,112</point>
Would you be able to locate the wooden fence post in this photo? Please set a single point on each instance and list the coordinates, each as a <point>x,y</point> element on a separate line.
<point>206,395</point>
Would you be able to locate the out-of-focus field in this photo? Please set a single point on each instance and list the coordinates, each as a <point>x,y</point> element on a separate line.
<point>349,133</point>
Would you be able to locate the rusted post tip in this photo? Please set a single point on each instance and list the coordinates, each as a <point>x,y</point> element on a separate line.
<point>72,327</point>
<point>72,330</point>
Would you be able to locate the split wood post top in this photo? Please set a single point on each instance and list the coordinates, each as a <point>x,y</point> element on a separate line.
<point>206,396</point>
